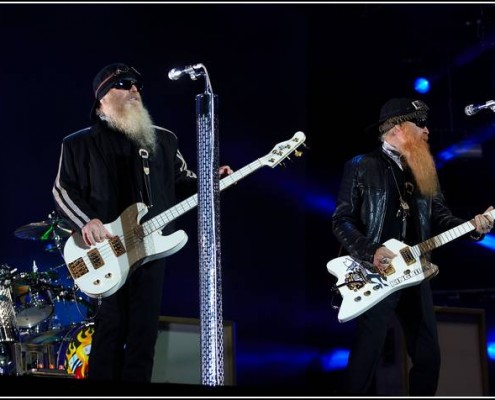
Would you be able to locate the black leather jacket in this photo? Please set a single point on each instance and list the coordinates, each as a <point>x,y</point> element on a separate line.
<point>363,202</point>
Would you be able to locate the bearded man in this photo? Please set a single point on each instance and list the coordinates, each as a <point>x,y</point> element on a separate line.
<point>393,193</point>
<point>120,160</point>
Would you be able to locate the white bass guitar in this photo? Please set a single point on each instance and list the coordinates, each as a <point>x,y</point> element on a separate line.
<point>102,269</point>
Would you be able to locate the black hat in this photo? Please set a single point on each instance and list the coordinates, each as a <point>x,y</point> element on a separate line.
<point>398,110</point>
<point>106,78</point>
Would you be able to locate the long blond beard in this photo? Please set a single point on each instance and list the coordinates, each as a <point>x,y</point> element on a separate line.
<point>135,122</point>
<point>417,153</point>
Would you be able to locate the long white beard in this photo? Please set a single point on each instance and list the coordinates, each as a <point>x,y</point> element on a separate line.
<point>136,123</point>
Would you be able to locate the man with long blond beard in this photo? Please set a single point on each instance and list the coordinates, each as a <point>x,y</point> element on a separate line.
<point>393,193</point>
<point>120,160</point>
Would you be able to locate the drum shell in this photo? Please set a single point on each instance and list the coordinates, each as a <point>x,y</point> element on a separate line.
<point>73,352</point>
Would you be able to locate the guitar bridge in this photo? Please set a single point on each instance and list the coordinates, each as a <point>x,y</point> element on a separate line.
<point>354,280</point>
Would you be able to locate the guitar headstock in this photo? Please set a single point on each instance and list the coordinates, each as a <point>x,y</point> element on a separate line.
<point>282,150</point>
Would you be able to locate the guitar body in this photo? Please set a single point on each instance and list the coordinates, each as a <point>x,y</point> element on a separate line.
<point>362,287</point>
<point>102,269</point>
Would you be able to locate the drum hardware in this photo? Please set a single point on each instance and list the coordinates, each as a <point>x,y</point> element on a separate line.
<point>8,324</point>
<point>6,274</point>
<point>7,364</point>
<point>33,297</point>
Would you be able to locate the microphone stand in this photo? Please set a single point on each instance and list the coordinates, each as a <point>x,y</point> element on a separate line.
<point>211,320</point>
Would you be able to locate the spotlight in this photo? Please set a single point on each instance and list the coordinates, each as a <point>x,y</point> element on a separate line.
<point>422,85</point>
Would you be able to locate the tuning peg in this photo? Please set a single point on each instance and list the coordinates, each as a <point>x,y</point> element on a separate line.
<point>298,153</point>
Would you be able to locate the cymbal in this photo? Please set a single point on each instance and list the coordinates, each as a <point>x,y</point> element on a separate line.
<point>44,230</point>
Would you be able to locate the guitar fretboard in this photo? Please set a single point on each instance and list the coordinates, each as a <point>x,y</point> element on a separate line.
<point>443,238</point>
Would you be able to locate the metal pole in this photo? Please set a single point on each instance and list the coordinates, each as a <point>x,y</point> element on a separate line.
<point>211,339</point>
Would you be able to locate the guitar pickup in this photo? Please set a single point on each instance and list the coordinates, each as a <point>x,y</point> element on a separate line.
<point>95,258</point>
<point>77,268</point>
<point>117,246</point>
<point>407,256</point>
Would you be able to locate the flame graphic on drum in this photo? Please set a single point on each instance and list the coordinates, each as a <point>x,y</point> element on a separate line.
<point>77,354</point>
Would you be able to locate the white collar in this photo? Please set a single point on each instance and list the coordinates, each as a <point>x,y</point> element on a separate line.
<point>393,153</point>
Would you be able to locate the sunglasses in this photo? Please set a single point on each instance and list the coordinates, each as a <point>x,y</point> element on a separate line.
<point>420,123</point>
<point>126,84</point>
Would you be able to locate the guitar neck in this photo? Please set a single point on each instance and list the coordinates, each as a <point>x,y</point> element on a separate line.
<point>188,204</point>
<point>445,237</point>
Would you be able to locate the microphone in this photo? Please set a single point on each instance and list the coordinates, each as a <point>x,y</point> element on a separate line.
<point>192,70</point>
<point>472,109</point>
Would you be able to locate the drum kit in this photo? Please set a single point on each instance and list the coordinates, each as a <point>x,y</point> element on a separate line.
<point>44,325</point>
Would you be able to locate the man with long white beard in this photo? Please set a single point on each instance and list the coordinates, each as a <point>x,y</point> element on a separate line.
<point>120,160</point>
<point>393,192</point>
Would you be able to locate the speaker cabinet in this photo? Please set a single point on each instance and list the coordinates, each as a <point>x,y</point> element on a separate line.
<point>464,367</point>
<point>178,351</point>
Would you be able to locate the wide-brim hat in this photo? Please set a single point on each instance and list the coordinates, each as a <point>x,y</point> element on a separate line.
<point>107,77</point>
<point>401,109</point>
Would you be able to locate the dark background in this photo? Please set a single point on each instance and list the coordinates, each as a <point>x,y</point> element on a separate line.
<point>324,69</point>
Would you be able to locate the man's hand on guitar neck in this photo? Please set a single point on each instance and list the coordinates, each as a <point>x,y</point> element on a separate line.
<point>483,223</point>
<point>383,258</point>
<point>94,231</point>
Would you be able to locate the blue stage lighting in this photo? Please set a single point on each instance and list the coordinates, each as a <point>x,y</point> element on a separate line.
<point>335,359</point>
<point>491,350</point>
<point>488,241</point>
<point>422,85</point>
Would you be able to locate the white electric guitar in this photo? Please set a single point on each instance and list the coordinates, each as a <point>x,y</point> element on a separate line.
<point>100,270</point>
<point>362,287</point>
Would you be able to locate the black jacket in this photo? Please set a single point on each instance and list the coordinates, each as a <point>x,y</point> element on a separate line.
<point>101,173</point>
<point>364,199</point>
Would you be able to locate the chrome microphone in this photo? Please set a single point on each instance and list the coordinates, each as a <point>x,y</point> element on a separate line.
<point>472,109</point>
<point>194,71</point>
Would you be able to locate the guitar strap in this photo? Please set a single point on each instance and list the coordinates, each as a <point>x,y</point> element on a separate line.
<point>146,171</point>
<point>403,208</point>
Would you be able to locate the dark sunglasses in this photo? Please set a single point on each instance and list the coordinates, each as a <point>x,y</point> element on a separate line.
<point>420,123</point>
<point>126,84</point>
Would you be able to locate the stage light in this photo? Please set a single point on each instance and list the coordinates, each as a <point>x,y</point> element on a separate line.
<point>490,344</point>
<point>422,85</point>
<point>335,359</point>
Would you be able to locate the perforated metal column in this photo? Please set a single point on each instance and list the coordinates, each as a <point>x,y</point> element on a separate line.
<point>8,323</point>
<point>212,364</point>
